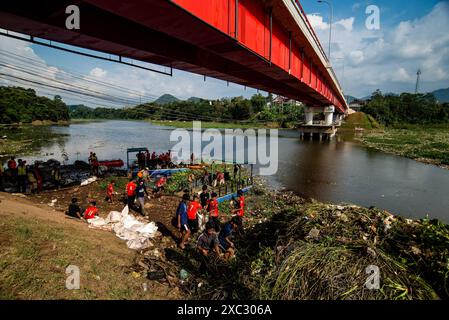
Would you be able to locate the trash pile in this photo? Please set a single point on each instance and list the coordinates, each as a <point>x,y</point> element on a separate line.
<point>297,249</point>
<point>127,227</point>
<point>330,252</point>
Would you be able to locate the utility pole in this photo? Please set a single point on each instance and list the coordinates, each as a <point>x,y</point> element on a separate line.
<point>418,74</point>
<point>331,17</point>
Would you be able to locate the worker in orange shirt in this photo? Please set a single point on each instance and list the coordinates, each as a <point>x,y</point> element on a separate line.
<point>240,210</point>
<point>91,211</point>
<point>212,208</point>
<point>192,211</point>
<point>110,191</point>
<point>131,193</point>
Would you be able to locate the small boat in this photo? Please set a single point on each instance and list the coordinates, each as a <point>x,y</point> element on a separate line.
<point>112,163</point>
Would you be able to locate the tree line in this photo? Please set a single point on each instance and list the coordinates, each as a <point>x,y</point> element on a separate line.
<point>256,109</point>
<point>406,108</point>
<point>23,105</point>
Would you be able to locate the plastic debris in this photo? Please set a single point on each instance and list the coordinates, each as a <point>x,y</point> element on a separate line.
<point>183,274</point>
<point>127,227</point>
<point>88,181</point>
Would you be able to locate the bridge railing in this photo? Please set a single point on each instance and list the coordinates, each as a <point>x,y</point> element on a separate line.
<point>315,37</point>
<point>320,47</point>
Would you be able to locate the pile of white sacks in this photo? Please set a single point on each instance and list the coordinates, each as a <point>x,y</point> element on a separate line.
<point>136,233</point>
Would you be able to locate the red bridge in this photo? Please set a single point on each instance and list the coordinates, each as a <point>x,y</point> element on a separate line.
<point>264,44</point>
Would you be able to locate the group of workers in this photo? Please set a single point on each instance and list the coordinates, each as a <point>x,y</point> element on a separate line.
<point>136,191</point>
<point>153,160</point>
<point>94,164</point>
<point>215,237</point>
<point>26,177</point>
<point>75,211</point>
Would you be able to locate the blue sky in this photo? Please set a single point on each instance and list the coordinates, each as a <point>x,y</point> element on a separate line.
<point>393,11</point>
<point>413,35</point>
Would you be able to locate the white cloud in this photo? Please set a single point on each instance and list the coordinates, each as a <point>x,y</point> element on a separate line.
<point>317,22</point>
<point>98,72</point>
<point>356,57</point>
<point>389,58</point>
<point>386,59</point>
<point>346,23</point>
<point>401,75</point>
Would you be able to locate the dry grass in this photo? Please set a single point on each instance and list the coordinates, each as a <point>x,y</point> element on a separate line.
<point>34,254</point>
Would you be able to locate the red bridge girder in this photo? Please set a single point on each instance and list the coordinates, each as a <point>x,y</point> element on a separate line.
<point>241,41</point>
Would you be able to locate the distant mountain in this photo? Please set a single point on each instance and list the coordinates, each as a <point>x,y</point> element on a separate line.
<point>165,99</point>
<point>75,106</point>
<point>194,99</point>
<point>442,95</point>
<point>350,99</point>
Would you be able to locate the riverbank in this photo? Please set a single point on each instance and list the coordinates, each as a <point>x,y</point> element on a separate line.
<point>427,144</point>
<point>291,248</point>
<point>213,125</point>
<point>26,139</point>
<point>298,249</point>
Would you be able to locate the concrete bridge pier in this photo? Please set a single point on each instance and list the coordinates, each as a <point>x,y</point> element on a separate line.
<point>321,130</point>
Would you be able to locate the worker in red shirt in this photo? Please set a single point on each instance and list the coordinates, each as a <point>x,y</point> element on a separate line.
<point>12,164</point>
<point>159,185</point>
<point>239,211</point>
<point>110,191</point>
<point>91,211</point>
<point>212,208</point>
<point>131,193</point>
<point>38,175</point>
<point>192,211</point>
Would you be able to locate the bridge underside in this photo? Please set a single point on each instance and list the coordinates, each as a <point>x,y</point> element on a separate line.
<point>166,33</point>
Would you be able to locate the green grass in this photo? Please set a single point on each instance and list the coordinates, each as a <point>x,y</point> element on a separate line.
<point>26,139</point>
<point>426,144</point>
<point>360,120</point>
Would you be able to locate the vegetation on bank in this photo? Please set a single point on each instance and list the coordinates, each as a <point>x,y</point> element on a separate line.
<point>428,144</point>
<point>23,105</point>
<point>415,126</point>
<point>406,108</point>
<point>297,249</point>
<point>213,124</point>
<point>360,120</point>
<point>223,113</point>
<point>26,139</point>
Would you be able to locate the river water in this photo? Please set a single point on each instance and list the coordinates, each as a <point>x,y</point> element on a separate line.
<point>339,171</point>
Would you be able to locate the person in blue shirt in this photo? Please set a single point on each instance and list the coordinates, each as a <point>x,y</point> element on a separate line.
<point>141,191</point>
<point>225,236</point>
<point>183,222</point>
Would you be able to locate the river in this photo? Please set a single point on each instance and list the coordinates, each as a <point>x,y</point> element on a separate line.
<point>340,171</point>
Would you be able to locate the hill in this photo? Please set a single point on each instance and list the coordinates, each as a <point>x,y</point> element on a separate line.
<point>360,120</point>
<point>166,99</point>
<point>24,105</point>
<point>194,99</point>
<point>442,95</point>
<point>350,99</point>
